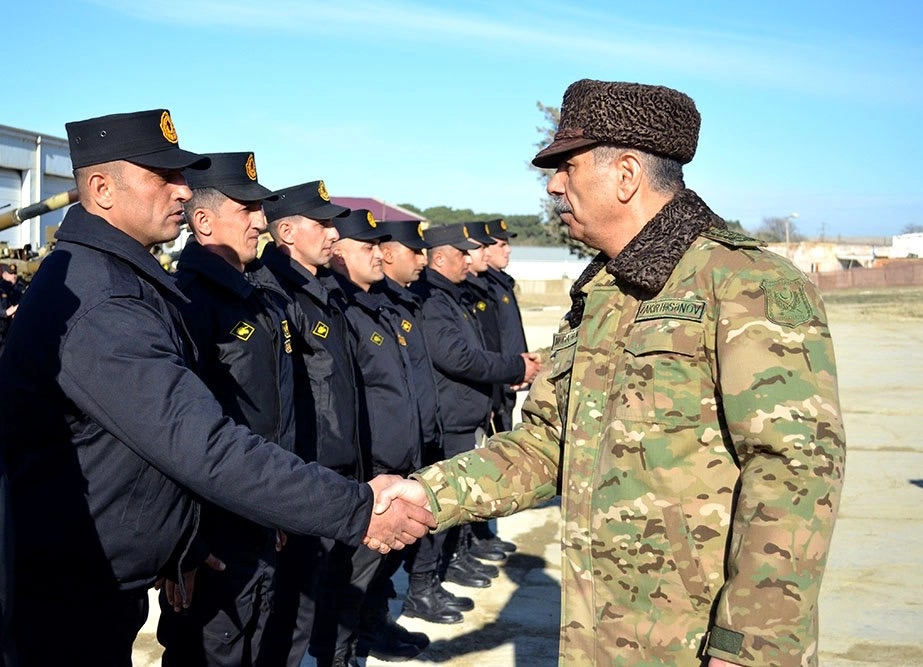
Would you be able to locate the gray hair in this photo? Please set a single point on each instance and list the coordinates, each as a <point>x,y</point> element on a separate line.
<point>665,175</point>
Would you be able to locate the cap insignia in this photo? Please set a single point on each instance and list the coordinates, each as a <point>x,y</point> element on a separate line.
<point>420,230</point>
<point>322,191</point>
<point>371,219</point>
<point>487,229</point>
<point>243,331</point>
<point>465,229</point>
<point>167,128</point>
<point>251,168</point>
<point>503,225</point>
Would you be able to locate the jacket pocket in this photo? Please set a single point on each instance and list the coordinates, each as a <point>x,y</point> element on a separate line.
<point>685,558</point>
<point>660,375</point>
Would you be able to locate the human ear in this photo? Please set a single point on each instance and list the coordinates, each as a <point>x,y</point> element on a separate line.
<point>628,172</point>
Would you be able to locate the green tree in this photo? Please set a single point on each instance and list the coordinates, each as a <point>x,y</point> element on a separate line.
<point>530,229</point>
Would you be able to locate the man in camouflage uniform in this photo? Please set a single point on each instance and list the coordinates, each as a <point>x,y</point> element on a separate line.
<point>689,417</point>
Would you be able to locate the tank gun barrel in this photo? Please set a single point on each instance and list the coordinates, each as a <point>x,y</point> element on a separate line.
<point>18,215</point>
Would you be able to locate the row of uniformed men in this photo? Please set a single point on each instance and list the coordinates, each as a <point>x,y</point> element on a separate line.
<point>350,368</point>
<point>273,392</point>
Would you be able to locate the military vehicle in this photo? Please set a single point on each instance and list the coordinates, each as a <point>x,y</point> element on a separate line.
<point>27,259</point>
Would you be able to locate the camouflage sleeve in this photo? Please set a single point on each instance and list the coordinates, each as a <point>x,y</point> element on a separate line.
<point>516,470</point>
<point>777,381</point>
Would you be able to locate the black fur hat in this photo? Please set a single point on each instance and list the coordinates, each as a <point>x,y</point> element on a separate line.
<point>656,119</point>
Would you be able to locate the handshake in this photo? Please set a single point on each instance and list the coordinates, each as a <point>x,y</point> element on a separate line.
<point>401,514</point>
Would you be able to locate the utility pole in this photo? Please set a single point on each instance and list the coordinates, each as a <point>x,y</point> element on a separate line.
<point>788,220</point>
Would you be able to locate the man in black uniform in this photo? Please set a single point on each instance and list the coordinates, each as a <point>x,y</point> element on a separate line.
<point>512,333</point>
<point>465,369</point>
<point>388,418</point>
<point>238,317</point>
<point>109,436</point>
<point>491,310</point>
<point>301,224</point>
<point>402,262</point>
<point>11,291</point>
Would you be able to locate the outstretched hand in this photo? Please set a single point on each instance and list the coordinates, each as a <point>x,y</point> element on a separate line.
<point>401,514</point>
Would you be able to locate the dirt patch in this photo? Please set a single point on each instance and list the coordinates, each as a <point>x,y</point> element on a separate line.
<point>894,303</point>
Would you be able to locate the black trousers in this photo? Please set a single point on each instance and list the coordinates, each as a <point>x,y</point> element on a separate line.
<point>76,627</point>
<point>299,567</point>
<point>225,622</point>
<point>343,585</point>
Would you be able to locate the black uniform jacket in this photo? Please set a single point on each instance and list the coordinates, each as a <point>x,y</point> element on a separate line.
<point>389,419</point>
<point>465,369</point>
<point>325,385</point>
<point>512,334</point>
<point>240,326</point>
<point>409,310</point>
<point>105,428</point>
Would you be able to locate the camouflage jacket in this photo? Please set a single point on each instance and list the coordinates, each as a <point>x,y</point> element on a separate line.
<point>689,419</point>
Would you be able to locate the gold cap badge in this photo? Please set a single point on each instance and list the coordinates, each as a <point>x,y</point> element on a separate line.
<point>371,219</point>
<point>251,167</point>
<point>322,191</point>
<point>167,128</point>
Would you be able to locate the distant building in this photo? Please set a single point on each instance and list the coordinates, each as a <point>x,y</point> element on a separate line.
<point>825,257</point>
<point>33,167</point>
<point>907,245</point>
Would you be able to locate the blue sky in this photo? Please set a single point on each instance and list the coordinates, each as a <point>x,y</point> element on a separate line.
<point>808,107</point>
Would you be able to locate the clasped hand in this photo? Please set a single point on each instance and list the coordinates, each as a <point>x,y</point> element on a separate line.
<point>401,514</point>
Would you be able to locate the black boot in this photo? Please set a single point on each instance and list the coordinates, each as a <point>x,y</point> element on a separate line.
<point>452,601</point>
<point>483,550</point>
<point>483,536</point>
<point>463,555</point>
<point>459,572</point>
<point>423,600</point>
<point>389,641</point>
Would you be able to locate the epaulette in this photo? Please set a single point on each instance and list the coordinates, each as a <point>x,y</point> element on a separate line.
<point>731,238</point>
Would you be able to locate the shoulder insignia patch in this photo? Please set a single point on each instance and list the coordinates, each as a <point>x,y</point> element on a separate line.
<point>481,306</point>
<point>377,338</point>
<point>320,330</point>
<point>786,302</point>
<point>243,331</point>
<point>406,325</point>
<point>732,238</point>
<point>680,309</point>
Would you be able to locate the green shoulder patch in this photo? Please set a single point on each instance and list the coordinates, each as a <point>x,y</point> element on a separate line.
<point>732,238</point>
<point>786,302</point>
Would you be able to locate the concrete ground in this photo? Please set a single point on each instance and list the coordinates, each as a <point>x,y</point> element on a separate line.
<point>871,613</point>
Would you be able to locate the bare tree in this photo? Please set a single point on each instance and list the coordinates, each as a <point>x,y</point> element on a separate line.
<point>773,230</point>
<point>554,227</point>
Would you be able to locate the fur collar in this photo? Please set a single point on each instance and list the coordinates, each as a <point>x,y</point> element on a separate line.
<point>647,261</point>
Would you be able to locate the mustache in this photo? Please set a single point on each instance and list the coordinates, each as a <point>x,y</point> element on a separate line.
<point>561,205</point>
